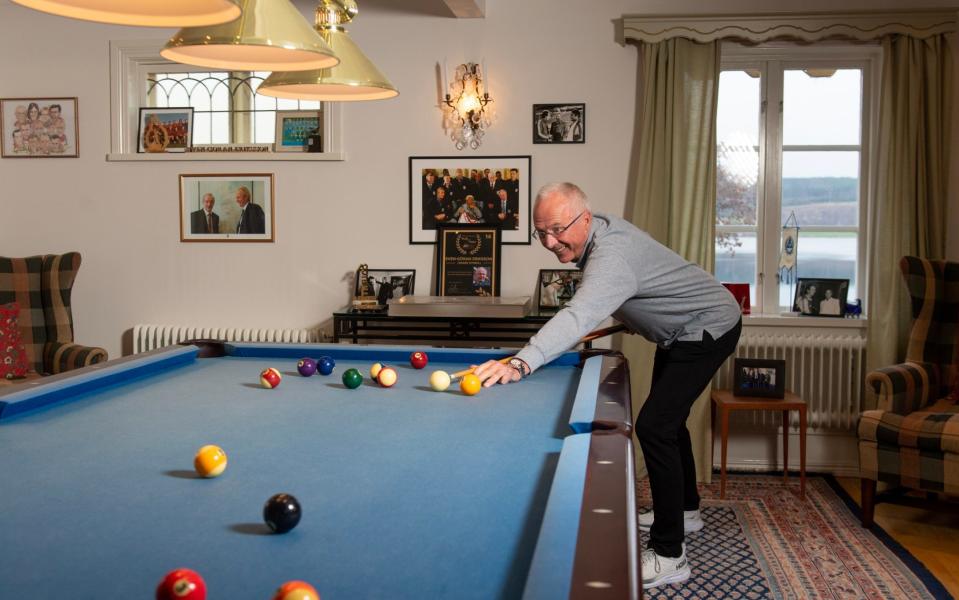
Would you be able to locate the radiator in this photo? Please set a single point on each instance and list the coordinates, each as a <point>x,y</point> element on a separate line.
<point>150,337</point>
<point>827,371</point>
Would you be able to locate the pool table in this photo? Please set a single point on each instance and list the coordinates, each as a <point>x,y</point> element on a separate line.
<point>522,491</point>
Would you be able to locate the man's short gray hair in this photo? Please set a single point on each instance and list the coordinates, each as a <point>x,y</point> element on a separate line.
<point>570,191</point>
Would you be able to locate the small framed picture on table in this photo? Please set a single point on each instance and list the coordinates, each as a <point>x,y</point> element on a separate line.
<point>764,378</point>
<point>557,287</point>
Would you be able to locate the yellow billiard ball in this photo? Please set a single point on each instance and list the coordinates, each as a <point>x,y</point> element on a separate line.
<point>296,590</point>
<point>375,370</point>
<point>470,384</point>
<point>210,461</point>
<point>440,381</point>
<point>387,377</point>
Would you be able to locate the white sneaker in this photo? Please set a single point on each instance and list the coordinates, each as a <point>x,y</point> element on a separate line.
<point>692,521</point>
<point>662,570</point>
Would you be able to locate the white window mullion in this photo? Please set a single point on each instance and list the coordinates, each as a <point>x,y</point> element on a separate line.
<point>771,207</point>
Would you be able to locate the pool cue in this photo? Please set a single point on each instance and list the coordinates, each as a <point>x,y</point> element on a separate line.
<point>589,337</point>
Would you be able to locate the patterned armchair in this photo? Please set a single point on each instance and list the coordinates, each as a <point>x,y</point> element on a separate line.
<point>41,285</point>
<point>911,439</point>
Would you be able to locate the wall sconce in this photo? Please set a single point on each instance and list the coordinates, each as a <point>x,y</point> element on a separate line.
<point>466,105</point>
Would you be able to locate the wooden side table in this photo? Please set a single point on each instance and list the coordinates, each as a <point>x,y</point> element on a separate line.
<point>724,402</point>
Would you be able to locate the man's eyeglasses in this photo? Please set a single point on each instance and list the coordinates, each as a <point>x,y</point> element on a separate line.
<point>541,234</point>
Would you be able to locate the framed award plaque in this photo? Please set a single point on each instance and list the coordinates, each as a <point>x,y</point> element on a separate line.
<point>467,260</point>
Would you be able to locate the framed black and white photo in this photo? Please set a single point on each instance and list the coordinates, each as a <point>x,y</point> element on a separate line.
<point>559,123</point>
<point>489,190</point>
<point>39,128</point>
<point>386,284</point>
<point>467,260</point>
<point>557,287</point>
<point>821,297</point>
<point>764,378</point>
<point>226,208</point>
<point>165,129</point>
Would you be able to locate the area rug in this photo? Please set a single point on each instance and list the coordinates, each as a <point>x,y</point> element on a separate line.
<point>762,541</point>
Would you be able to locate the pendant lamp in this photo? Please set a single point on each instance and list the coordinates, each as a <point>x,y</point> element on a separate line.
<point>149,13</point>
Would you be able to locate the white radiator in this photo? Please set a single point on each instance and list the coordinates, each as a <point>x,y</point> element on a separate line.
<point>150,337</point>
<point>825,370</point>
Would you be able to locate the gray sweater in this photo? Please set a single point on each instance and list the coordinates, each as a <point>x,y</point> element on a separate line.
<point>641,283</point>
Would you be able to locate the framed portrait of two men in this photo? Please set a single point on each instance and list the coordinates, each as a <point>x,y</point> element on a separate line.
<point>227,208</point>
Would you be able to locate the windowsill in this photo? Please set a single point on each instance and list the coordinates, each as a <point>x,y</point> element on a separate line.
<point>227,156</point>
<point>792,320</point>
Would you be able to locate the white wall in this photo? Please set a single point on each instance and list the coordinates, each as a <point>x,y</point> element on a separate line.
<point>330,216</point>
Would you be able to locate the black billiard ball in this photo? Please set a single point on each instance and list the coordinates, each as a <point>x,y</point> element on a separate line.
<point>281,513</point>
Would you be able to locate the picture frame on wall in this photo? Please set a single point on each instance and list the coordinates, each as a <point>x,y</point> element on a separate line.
<point>557,287</point>
<point>227,207</point>
<point>559,123</point>
<point>385,284</point>
<point>482,190</point>
<point>820,297</point>
<point>294,128</point>
<point>165,130</point>
<point>763,378</point>
<point>39,128</point>
<point>468,258</point>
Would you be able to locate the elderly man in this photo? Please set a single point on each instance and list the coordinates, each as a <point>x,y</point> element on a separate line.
<point>251,215</point>
<point>205,221</point>
<point>694,321</point>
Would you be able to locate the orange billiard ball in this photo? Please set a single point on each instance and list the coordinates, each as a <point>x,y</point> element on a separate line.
<point>387,376</point>
<point>470,384</point>
<point>296,590</point>
<point>210,461</point>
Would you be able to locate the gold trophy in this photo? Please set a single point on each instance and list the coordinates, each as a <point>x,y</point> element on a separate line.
<point>363,297</point>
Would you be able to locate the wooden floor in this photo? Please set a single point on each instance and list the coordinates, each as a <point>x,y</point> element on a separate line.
<point>930,534</point>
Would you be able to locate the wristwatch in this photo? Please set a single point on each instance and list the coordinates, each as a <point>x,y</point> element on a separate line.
<point>520,365</point>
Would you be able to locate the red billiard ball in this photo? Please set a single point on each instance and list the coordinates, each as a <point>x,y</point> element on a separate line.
<point>419,360</point>
<point>182,584</point>
<point>270,378</point>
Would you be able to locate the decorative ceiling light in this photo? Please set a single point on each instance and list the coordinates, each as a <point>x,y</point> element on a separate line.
<point>149,13</point>
<point>355,78</point>
<point>467,97</point>
<point>270,35</point>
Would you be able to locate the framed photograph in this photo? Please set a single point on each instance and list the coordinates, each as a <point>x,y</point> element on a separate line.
<point>559,123</point>
<point>39,128</point>
<point>467,260</point>
<point>821,297</point>
<point>488,190</point>
<point>385,284</point>
<point>165,129</point>
<point>557,286</point>
<point>226,208</point>
<point>293,129</point>
<point>759,377</point>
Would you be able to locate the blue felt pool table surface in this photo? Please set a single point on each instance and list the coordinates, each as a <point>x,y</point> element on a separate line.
<point>406,492</point>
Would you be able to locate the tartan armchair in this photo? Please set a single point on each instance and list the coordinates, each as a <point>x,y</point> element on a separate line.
<point>41,285</point>
<point>911,439</point>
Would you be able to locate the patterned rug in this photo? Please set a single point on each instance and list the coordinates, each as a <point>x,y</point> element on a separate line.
<point>762,541</point>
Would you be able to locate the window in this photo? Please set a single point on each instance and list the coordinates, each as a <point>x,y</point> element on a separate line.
<point>792,139</point>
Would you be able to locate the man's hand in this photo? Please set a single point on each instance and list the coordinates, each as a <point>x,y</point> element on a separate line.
<point>492,372</point>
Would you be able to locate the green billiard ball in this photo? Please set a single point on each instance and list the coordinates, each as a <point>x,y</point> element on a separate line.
<point>352,379</point>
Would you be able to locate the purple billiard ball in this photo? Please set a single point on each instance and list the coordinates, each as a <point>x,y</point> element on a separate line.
<point>306,367</point>
<point>325,365</point>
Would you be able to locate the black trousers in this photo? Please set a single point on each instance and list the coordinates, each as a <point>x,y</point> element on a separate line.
<point>680,374</point>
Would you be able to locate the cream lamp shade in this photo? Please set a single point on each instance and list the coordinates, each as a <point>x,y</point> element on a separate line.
<point>270,35</point>
<point>150,13</point>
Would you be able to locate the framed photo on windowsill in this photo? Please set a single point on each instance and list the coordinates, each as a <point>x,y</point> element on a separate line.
<point>817,297</point>
<point>294,128</point>
<point>165,130</point>
<point>759,377</point>
<point>468,260</point>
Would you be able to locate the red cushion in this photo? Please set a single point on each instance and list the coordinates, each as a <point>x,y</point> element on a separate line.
<point>13,357</point>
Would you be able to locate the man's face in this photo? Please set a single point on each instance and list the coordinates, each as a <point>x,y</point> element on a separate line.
<point>501,194</point>
<point>440,194</point>
<point>208,202</point>
<point>54,112</point>
<point>241,198</point>
<point>430,177</point>
<point>828,294</point>
<point>555,211</point>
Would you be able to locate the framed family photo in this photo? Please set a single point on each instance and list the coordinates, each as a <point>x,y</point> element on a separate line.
<point>559,123</point>
<point>492,190</point>
<point>165,129</point>
<point>821,297</point>
<point>227,208</point>
<point>468,260</point>
<point>557,286</point>
<point>39,128</point>
<point>764,378</point>
<point>293,129</point>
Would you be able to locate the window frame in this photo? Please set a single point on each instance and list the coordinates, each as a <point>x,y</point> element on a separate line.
<point>772,60</point>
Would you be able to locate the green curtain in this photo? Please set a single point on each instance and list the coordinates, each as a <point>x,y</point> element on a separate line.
<point>909,218</point>
<point>674,186</point>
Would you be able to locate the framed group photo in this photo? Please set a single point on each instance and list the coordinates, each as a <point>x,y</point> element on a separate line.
<point>39,128</point>
<point>492,190</point>
<point>821,297</point>
<point>764,378</point>
<point>468,260</point>
<point>559,123</point>
<point>293,129</point>
<point>165,130</point>
<point>227,208</point>
<point>557,287</point>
